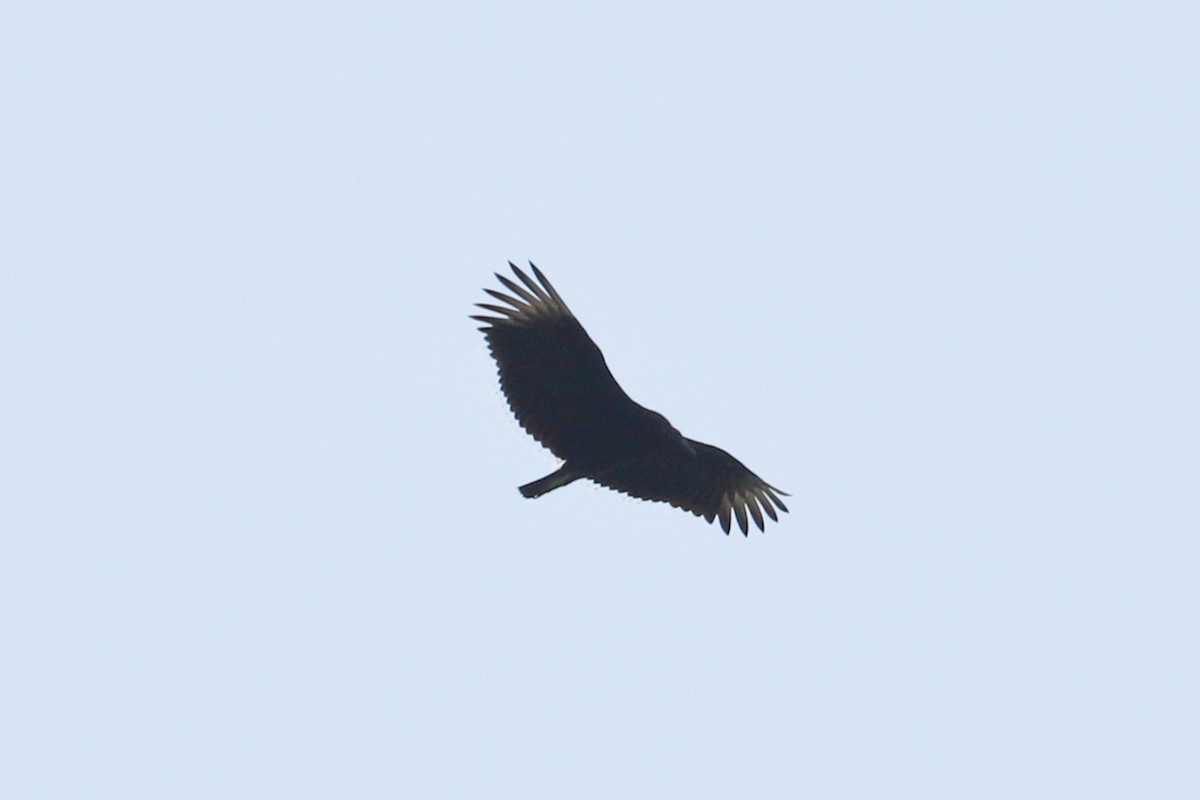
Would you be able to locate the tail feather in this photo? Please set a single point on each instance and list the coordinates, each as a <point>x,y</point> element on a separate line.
<point>560,477</point>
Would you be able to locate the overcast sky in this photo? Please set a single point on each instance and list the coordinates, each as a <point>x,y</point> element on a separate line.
<point>932,268</point>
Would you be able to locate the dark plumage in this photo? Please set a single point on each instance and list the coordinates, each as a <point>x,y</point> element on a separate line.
<point>562,393</point>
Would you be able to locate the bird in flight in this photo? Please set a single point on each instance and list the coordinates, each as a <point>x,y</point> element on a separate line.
<point>562,393</point>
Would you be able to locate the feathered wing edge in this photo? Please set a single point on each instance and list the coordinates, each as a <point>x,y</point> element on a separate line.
<point>738,501</point>
<point>742,503</point>
<point>712,484</point>
<point>534,300</point>
<point>727,489</point>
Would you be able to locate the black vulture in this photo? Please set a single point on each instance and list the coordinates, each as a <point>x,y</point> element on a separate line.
<point>562,393</point>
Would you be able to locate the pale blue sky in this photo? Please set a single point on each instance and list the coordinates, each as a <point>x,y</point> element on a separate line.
<point>932,268</point>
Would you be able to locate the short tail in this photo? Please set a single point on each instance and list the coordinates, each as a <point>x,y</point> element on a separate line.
<point>560,477</point>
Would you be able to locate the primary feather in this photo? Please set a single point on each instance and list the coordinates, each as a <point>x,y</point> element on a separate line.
<point>561,391</point>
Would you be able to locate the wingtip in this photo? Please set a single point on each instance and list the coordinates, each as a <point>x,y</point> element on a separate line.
<point>490,321</point>
<point>531,283</point>
<point>752,505</point>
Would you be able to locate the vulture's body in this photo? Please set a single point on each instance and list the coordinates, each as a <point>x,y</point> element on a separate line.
<point>562,393</point>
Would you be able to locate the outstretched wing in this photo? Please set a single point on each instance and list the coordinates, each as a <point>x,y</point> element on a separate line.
<point>552,373</point>
<point>710,484</point>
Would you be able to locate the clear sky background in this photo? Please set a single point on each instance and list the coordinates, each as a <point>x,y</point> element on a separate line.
<point>933,268</point>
